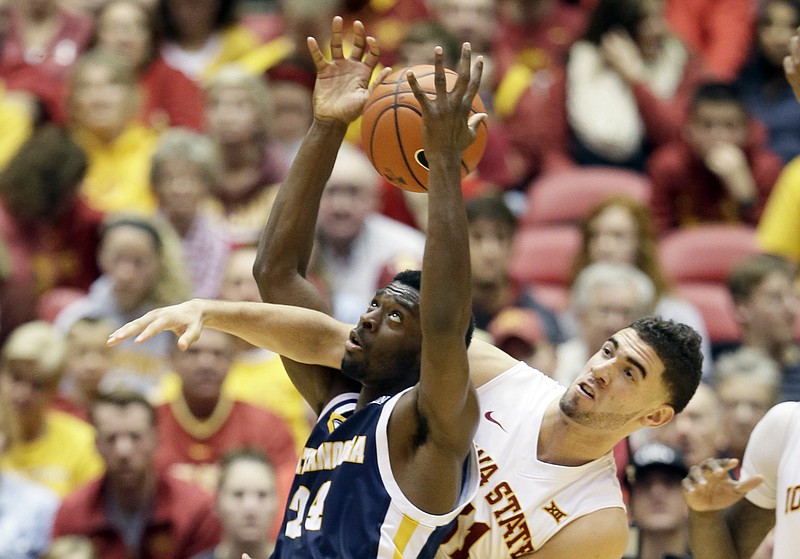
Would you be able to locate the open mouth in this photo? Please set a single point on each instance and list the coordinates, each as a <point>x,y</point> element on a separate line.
<point>353,343</point>
<point>586,390</point>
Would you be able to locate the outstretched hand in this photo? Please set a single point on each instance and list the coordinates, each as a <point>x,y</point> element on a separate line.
<point>445,118</point>
<point>185,320</point>
<point>342,85</point>
<point>709,486</point>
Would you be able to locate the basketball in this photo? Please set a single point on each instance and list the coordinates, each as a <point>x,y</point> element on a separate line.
<point>391,129</point>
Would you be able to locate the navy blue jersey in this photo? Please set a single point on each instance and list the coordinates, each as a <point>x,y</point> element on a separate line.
<point>345,503</point>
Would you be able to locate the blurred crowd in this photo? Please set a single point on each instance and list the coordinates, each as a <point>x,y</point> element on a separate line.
<point>642,158</point>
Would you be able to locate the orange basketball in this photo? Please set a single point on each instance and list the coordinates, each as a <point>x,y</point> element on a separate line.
<point>391,129</point>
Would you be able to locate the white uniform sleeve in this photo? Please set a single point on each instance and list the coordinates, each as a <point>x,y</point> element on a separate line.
<point>763,453</point>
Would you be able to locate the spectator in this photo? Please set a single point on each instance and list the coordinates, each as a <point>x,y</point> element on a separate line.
<point>140,261</point>
<point>659,515</point>
<point>707,26</point>
<point>697,431</point>
<point>135,510</point>
<point>201,425</point>
<point>246,505</point>
<point>88,359</point>
<point>52,448</point>
<point>620,230</point>
<point>491,227</point>
<point>185,170</point>
<point>291,85</point>
<point>628,85</point>
<point>716,172</point>
<point>605,298</point>
<point>779,228</point>
<point>747,383</point>
<point>354,242</point>
<point>169,98</point>
<point>40,43</point>
<point>238,109</point>
<point>541,30</point>
<point>520,333</point>
<point>257,375</point>
<point>26,508</point>
<point>50,232</point>
<point>763,292</point>
<point>203,35</point>
<point>103,111</point>
<point>765,91</point>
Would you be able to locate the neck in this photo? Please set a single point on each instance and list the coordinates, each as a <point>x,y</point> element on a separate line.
<point>40,13</point>
<point>242,154</point>
<point>565,443</point>
<point>341,247</point>
<point>31,427</point>
<point>132,499</point>
<point>182,223</point>
<point>491,296</point>
<point>230,549</point>
<point>757,340</point>
<point>654,545</point>
<point>201,408</point>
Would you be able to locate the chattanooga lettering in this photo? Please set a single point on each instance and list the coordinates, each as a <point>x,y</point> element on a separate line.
<point>330,455</point>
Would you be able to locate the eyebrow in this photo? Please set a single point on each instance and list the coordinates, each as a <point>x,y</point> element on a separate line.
<point>631,360</point>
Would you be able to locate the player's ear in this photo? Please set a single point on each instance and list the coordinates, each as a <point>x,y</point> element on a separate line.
<point>659,416</point>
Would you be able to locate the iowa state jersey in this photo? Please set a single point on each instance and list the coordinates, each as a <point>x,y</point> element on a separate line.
<point>774,452</point>
<point>523,502</point>
<point>345,503</point>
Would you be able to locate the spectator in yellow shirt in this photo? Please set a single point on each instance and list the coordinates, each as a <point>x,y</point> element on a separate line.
<point>52,448</point>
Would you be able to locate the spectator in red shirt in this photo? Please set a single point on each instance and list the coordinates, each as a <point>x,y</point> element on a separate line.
<point>134,510</point>
<point>717,171</point>
<point>201,425</point>
<point>50,232</point>
<point>169,98</point>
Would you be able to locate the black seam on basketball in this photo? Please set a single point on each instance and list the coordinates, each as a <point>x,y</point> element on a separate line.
<point>400,143</point>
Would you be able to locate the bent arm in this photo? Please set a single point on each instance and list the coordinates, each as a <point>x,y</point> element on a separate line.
<point>731,534</point>
<point>286,243</point>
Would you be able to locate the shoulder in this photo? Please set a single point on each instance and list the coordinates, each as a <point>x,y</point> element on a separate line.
<point>66,425</point>
<point>185,495</point>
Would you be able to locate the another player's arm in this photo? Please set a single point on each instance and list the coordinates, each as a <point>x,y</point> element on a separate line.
<point>443,407</point>
<point>602,534</point>
<point>300,334</point>
<point>285,247</point>
<point>722,524</point>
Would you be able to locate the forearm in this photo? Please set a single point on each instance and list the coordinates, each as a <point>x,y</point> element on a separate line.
<point>285,247</point>
<point>446,260</point>
<point>302,335</point>
<point>710,536</point>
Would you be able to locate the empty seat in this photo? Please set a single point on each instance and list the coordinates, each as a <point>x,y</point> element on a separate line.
<point>568,196</point>
<point>705,253</point>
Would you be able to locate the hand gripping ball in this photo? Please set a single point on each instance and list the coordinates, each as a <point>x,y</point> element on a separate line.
<point>391,129</point>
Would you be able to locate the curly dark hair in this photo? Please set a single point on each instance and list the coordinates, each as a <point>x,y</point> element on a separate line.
<point>678,347</point>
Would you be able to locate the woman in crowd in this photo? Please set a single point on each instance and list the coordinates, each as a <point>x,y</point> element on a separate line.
<point>620,230</point>
<point>169,98</point>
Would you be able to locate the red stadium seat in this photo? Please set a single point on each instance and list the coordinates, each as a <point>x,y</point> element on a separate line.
<point>542,259</point>
<point>715,304</point>
<point>568,196</point>
<point>705,253</point>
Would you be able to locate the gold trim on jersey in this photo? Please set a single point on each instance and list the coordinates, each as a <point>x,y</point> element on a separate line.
<point>404,532</point>
<point>201,428</point>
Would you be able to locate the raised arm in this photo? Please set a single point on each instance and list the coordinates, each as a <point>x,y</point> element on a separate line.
<point>723,525</point>
<point>432,426</point>
<point>285,247</point>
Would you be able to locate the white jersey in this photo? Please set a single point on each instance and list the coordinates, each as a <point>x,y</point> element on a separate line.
<point>523,502</point>
<point>774,452</point>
